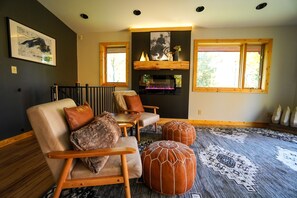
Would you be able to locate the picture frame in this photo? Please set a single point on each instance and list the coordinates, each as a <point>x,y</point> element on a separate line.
<point>29,44</point>
<point>159,45</point>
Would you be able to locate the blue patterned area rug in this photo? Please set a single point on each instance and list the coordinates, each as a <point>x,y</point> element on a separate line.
<point>231,162</point>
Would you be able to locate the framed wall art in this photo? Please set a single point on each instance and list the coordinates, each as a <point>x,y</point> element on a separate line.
<point>31,45</point>
<point>160,45</point>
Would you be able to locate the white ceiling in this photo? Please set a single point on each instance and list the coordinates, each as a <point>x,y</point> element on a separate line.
<point>117,15</point>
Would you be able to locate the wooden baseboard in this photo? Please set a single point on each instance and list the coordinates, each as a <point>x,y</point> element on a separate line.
<point>15,138</point>
<point>217,123</point>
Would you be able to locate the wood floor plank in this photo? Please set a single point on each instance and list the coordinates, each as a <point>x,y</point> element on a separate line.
<point>24,172</point>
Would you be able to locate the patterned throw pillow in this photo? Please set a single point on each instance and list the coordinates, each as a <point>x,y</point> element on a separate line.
<point>78,116</point>
<point>134,103</point>
<point>102,132</point>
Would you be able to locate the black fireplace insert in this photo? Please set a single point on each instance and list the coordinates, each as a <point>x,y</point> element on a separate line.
<point>160,84</point>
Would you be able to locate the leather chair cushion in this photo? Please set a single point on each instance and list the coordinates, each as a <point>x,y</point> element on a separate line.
<point>179,131</point>
<point>102,132</point>
<point>134,103</point>
<point>78,116</point>
<point>169,167</point>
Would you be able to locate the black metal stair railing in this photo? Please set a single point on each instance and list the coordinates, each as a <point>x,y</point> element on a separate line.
<point>100,98</point>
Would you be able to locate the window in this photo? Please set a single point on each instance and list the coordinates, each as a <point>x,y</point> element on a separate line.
<point>114,61</point>
<point>232,65</point>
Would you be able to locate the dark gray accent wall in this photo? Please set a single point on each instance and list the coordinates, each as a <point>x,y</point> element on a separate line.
<point>31,85</point>
<point>171,106</point>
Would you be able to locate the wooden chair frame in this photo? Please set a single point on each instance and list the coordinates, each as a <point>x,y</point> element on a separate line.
<point>155,112</point>
<point>137,125</point>
<point>69,155</point>
<point>123,109</point>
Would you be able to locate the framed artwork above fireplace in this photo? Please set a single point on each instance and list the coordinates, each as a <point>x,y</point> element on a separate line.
<point>159,45</point>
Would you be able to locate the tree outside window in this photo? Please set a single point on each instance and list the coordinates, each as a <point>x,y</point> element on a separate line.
<point>232,65</point>
<point>113,64</point>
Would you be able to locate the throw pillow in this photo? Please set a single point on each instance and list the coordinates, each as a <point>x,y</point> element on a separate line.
<point>134,103</point>
<point>293,120</point>
<point>286,117</point>
<point>276,115</point>
<point>78,116</point>
<point>102,132</point>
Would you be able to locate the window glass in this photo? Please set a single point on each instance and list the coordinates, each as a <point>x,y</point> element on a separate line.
<point>218,66</point>
<point>116,65</point>
<point>232,65</point>
<point>113,64</point>
<point>253,69</point>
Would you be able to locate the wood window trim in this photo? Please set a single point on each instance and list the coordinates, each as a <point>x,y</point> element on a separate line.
<point>102,63</point>
<point>243,42</point>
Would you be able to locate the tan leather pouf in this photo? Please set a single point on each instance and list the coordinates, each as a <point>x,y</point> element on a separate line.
<point>169,167</point>
<point>179,131</point>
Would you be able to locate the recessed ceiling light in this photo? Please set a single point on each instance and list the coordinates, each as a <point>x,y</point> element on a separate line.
<point>261,6</point>
<point>136,12</point>
<point>200,8</point>
<point>84,16</point>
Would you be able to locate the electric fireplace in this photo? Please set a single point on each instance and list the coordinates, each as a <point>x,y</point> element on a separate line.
<point>160,84</point>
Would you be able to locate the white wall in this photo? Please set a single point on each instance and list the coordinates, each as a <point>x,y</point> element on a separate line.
<point>88,54</point>
<point>240,107</point>
<point>245,107</point>
<point>295,103</point>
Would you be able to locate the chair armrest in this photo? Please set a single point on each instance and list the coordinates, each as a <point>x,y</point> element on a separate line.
<point>151,107</point>
<point>90,153</point>
<point>131,111</point>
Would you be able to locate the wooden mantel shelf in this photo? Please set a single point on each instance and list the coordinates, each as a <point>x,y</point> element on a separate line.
<point>157,65</point>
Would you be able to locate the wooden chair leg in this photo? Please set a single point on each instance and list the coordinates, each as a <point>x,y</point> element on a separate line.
<point>138,132</point>
<point>63,177</point>
<point>126,176</point>
<point>124,126</point>
<point>125,132</point>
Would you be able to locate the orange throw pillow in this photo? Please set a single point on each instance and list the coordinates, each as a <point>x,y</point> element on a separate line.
<point>79,116</point>
<point>134,103</point>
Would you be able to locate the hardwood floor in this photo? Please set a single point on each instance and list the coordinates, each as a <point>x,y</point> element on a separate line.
<point>24,172</point>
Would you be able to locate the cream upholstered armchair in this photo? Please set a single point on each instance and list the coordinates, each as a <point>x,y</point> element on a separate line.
<point>51,130</point>
<point>146,118</point>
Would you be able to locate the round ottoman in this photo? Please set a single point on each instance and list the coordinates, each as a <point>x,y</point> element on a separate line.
<point>179,131</point>
<point>169,167</point>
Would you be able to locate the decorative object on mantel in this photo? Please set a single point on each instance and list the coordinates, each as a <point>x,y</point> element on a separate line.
<point>176,53</point>
<point>142,58</point>
<point>170,56</point>
<point>147,57</point>
<point>159,45</point>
